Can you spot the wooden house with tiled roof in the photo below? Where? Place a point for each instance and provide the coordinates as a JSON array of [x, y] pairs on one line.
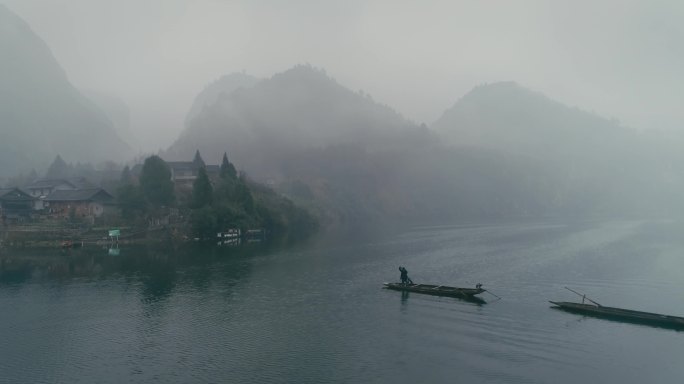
[[89, 202], [15, 204]]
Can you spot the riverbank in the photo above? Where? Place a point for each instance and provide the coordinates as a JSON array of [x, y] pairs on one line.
[[72, 237], [67, 238]]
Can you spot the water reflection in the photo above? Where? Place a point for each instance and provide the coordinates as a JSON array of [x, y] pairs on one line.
[[114, 250], [317, 313], [157, 270]]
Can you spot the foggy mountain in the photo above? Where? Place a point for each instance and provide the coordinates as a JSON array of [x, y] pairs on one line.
[[299, 108], [117, 113], [41, 113], [500, 151], [219, 88], [510, 118], [352, 159], [302, 127], [594, 162]]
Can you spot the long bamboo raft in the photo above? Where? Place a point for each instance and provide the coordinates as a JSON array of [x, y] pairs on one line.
[[619, 314], [439, 290]]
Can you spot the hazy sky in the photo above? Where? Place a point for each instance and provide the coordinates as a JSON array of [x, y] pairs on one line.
[[622, 59]]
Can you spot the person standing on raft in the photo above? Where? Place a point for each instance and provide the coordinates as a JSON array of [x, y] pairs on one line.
[[404, 276]]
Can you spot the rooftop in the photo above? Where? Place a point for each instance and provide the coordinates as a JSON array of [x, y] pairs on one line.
[[91, 194]]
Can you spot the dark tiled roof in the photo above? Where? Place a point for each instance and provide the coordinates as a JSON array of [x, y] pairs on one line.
[[48, 183], [92, 194], [14, 194], [74, 182], [81, 183]]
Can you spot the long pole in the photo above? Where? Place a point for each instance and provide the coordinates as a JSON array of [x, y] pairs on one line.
[[583, 296]]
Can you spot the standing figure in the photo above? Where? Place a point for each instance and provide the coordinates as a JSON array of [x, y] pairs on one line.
[[404, 276]]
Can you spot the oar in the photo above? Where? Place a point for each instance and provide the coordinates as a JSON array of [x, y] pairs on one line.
[[583, 296], [487, 290]]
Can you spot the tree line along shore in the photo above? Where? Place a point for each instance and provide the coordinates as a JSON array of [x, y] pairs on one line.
[[156, 201]]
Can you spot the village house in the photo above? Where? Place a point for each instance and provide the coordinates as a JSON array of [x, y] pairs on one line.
[[78, 203], [184, 173], [15, 204], [42, 188]]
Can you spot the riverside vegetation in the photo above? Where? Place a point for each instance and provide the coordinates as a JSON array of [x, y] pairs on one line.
[[149, 204], [211, 205]]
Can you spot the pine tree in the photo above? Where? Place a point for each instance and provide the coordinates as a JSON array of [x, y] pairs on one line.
[[155, 181], [126, 176], [202, 191], [58, 169], [198, 161], [244, 196], [228, 170], [131, 200]]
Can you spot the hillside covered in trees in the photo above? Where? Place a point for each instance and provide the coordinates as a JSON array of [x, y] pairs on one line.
[[500, 151], [210, 203]]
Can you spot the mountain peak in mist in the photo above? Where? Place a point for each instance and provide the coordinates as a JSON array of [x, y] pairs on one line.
[[219, 88], [24, 53], [509, 96], [507, 116], [299, 108], [304, 75], [41, 112]]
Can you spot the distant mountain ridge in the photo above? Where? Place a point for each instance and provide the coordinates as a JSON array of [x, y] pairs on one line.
[[508, 117], [219, 88], [591, 162], [501, 151], [309, 136], [299, 108], [41, 113]]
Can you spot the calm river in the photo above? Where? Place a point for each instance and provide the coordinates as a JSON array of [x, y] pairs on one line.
[[316, 313]]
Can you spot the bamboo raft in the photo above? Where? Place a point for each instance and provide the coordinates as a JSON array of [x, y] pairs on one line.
[[619, 314], [439, 290]]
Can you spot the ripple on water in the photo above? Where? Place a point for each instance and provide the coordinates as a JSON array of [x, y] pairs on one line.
[[320, 315]]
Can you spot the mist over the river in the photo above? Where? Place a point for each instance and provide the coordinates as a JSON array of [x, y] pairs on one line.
[[498, 115]]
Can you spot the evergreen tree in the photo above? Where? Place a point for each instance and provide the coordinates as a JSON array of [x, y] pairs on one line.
[[155, 181], [228, 170], [58, 169], [202, 191], [199, 163], [131, 200], [126, 176], [243, 196], [204, 222]]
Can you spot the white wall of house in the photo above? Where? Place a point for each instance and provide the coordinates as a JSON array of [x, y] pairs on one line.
[[38, 204], [96, 209]]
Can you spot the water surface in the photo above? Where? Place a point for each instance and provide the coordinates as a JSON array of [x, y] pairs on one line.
[[315, 312]]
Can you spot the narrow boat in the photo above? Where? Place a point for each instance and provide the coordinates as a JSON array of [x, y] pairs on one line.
[[619, 314], [439, 290]]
